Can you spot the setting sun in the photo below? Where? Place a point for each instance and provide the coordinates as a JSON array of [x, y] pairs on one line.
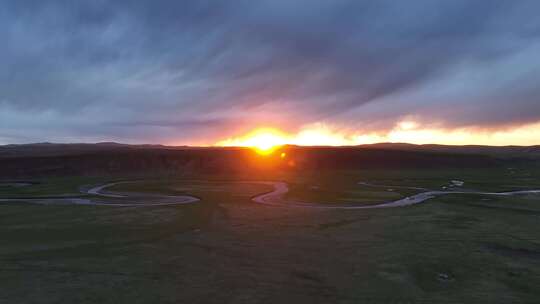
[[264, 140], [265, 143]]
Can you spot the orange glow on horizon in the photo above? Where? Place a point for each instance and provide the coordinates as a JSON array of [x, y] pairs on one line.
[[267, 140], [263, 140]]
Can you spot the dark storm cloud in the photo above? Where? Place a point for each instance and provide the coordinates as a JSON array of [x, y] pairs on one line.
[[163, 70]]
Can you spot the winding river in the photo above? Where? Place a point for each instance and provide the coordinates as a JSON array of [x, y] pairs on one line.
[[276, 197]]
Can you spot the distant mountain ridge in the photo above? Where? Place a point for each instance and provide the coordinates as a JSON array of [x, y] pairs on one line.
[[58, 149], [55, 149], [508, 151]]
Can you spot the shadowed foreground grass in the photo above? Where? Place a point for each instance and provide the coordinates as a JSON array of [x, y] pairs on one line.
[[226, 249]]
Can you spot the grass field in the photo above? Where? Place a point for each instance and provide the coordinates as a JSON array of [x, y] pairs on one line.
[[55, 186], [227, 249]]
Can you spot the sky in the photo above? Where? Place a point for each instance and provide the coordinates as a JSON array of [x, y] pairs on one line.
[[313, 71]]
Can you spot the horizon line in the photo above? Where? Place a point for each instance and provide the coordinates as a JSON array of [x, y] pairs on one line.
[[240, 146]]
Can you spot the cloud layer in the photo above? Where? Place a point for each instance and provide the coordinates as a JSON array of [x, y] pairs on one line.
[[197, 71]]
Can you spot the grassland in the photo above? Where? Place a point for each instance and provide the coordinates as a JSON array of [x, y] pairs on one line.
[[226, 249], [51, 186]]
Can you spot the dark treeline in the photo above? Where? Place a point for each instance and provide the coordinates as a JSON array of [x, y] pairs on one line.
[[152, 160]]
